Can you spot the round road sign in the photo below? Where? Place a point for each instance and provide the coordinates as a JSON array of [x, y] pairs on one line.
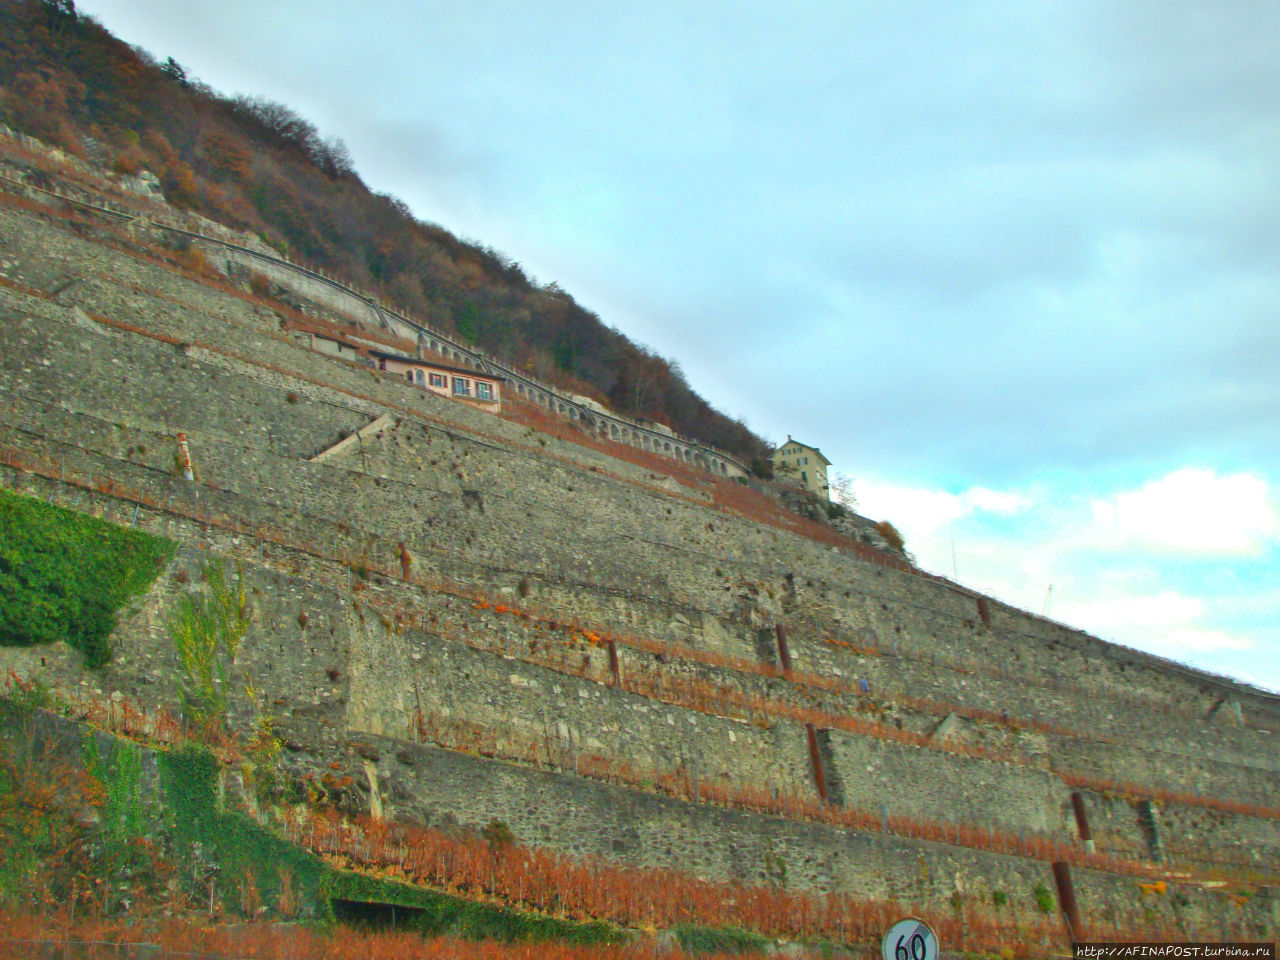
[[910, 939]]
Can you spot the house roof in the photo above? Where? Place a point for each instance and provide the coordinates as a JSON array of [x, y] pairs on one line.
[[419, 362], [813, 450]]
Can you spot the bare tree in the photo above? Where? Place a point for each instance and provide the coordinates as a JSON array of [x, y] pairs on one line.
[[841, 489]]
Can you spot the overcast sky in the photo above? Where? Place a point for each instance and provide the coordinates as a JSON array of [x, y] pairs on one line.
[[1014, 267]]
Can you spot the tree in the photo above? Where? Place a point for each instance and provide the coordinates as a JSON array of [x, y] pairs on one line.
[[59, 14], [172, 69], [841, 488], [333, 158]]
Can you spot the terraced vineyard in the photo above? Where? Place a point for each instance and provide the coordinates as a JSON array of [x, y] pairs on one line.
[[530, 668]]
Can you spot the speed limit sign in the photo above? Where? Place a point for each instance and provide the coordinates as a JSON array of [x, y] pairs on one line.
[[910, 939]]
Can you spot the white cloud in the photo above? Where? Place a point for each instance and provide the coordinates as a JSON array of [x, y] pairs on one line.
[[913, 510], [1122, 564], [1190, 511], [1165, 609], [1167, 623], [924, 513], [1002, 502]]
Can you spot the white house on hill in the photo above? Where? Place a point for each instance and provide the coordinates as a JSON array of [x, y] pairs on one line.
[[803, 465]]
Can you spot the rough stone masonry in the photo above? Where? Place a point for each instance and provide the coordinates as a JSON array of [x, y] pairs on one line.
[[583, 647]]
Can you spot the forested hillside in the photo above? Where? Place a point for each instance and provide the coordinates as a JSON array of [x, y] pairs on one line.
[[256, 165]]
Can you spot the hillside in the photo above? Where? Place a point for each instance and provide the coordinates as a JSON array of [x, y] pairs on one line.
[[652, 696], [258, 167]]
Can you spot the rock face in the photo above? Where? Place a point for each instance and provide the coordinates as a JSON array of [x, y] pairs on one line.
[[580, 651], [845, 522]]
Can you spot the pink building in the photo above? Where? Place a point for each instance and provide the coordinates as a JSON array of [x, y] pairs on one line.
[[483, 389]]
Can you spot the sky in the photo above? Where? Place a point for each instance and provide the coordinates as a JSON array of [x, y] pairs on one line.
[[1013, 267]]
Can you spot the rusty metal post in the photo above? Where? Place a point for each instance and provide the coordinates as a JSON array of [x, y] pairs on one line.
[[1067, 900], [984, 611], [815, 761], [614, 670], [406, 560], [1082, 822], [784, 651]]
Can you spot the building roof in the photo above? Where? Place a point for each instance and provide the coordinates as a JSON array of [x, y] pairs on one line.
[[418, 361], [814, 450]]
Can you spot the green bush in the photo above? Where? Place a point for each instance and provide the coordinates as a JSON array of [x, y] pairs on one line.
[[433, 914], [225, 849], [64, 575], [698, 939]]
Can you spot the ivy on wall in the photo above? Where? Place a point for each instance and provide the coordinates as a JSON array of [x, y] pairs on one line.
[[239, 861], [65, 576], [207, 629]]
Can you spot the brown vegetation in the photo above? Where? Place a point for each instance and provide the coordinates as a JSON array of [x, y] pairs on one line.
[[256, 165]]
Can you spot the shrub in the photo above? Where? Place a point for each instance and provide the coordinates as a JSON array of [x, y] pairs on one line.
[[718, 940], [498, 835], [890, 533], [128, 162], [207, 629], [65, 576], [259, 284]]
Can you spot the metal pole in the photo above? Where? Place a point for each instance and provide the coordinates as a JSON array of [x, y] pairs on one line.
[[613, 663], [784, 650], [815, 760], [1067, 900], [1082, 822]]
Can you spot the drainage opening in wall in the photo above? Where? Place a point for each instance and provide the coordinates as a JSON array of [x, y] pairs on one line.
[[378, 916]]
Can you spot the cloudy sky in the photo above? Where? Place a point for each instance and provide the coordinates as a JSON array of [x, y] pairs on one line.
[[1014, 267]]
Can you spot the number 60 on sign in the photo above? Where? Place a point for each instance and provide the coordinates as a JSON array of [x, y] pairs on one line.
[[910, 939]]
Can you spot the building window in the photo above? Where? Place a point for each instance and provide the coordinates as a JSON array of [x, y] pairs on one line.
[[484, 391], [418, 376], [382, 363], [437, 380], [804, 476], [461, 387], [408, 375]]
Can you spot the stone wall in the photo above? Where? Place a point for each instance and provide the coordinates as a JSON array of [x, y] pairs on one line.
[[577, 544]]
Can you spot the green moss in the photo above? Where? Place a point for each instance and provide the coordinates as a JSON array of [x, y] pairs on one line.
[[226, 849], [437, 914], [65, 576], [696, 939]]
